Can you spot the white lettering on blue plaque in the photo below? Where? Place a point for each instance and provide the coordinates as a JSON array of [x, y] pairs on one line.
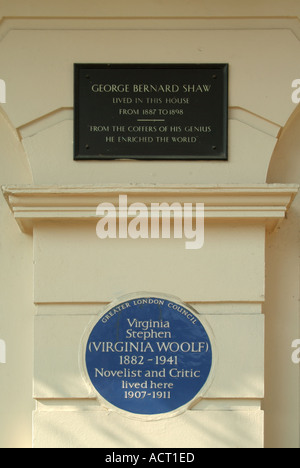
[[149, 356]]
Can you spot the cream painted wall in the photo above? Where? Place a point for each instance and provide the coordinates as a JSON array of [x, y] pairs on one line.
[[282, 400], [36, 58], [152, 8], [16, 306]]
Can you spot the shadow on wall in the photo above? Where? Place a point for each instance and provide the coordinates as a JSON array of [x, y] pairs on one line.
[[282, 397], [195, 429], [15, 301]]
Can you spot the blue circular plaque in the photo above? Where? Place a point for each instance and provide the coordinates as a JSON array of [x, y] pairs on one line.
[[149, 356]]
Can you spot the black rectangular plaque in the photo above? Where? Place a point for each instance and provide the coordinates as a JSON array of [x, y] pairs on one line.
[[151, 112]]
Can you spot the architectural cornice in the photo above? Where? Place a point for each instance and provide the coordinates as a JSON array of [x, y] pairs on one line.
[[266, 204]]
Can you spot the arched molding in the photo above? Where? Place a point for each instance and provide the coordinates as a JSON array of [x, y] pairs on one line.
[[15, 167]]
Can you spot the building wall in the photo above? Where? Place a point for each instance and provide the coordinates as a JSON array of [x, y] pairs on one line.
[[39, 42], [282, 302], [16, 291]]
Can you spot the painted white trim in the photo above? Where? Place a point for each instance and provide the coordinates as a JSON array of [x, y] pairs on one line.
[[267, 204]]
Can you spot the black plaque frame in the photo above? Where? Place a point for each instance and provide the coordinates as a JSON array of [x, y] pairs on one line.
[[151, 111]]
